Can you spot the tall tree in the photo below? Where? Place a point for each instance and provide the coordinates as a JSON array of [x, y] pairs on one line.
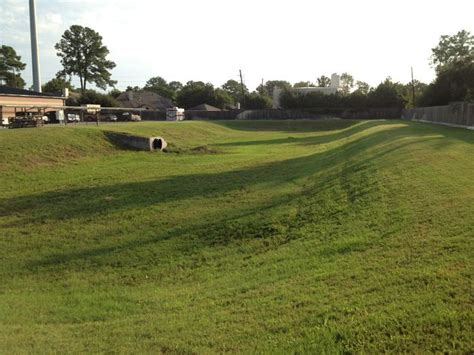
[[159, 85], [175, 85], [114, 93], [454, 60], [362, 87], [56, 85], [323, 81], [234, 89], [454, 82], [267, 89], [83, 54], [197, 92], [388, 94], [256, 101], [451, 49], [347, 83], [416, 87], [11, 66]]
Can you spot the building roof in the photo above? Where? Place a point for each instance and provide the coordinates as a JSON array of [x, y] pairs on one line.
[[144, 99], [204, 107], [8, 90]]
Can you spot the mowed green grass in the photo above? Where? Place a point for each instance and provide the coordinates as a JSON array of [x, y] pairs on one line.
[[278, 236]]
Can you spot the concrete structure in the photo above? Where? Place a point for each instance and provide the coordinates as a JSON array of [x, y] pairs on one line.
[[34, 48], [331, 89], [13, 100], [136, 142]]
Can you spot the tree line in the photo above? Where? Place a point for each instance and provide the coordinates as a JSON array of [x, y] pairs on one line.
[[83, 55]]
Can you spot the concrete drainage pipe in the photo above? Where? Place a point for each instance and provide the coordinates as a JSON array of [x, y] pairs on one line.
[[159, 143]]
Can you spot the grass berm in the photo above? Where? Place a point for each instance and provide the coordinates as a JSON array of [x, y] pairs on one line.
[[256, 236]]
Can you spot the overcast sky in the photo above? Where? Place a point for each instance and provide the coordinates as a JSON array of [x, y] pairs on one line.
[[210, 40]]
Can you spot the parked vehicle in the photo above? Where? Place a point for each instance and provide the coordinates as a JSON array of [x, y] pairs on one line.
[[109, 118], [29, 120], [175, 114], [127, 116], [73, 117]]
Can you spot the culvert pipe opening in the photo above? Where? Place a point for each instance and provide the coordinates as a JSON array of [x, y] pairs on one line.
[[159, 143]]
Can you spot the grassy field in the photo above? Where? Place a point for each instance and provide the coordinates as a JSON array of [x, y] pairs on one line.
[[263, 236]]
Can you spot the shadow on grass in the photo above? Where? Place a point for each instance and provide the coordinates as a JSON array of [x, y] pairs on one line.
[[88, 201], [325, 170]]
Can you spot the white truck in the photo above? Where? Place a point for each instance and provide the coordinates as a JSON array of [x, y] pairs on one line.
[[175, 114]]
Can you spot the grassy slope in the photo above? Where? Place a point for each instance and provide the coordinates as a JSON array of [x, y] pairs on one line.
[[310, 236]]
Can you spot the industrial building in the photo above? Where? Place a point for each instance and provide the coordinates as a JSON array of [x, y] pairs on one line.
[[330, 90]]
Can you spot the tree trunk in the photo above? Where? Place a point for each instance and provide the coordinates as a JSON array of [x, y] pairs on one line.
[[82, 85], [85, 82]]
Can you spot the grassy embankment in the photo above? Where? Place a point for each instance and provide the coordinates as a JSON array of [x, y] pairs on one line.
[[291, 236]]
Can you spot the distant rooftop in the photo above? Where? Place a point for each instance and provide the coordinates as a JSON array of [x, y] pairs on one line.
[[8, 90], [204, 107], [144, 99]]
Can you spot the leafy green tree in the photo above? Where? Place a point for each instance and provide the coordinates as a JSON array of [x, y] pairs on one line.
[[222, 99], [159, 86], [56, 85], [234, 89], [419, 87], [83, 54], [347, 83], [387, 94], [452, 49], [114, 93], [358, 99], [302, 84], [362, 87], [454, 82], [133, 88], [323, 81], [197, 92], [93, 97], [256, 101], [454, 61], [175, 86], [267, 88], [11, 66], [319, 100]]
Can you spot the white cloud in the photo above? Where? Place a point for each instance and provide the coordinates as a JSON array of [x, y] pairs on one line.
[[50, 22]]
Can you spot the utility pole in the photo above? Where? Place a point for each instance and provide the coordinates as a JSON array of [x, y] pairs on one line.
[[413, 88], [242, 88], [34, 48]]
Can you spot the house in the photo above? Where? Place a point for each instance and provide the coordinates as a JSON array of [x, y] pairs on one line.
[[331, 89], [204, 107], [14, 101], [144, 99]]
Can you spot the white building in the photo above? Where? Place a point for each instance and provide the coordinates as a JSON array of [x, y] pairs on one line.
[[331, 89]]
